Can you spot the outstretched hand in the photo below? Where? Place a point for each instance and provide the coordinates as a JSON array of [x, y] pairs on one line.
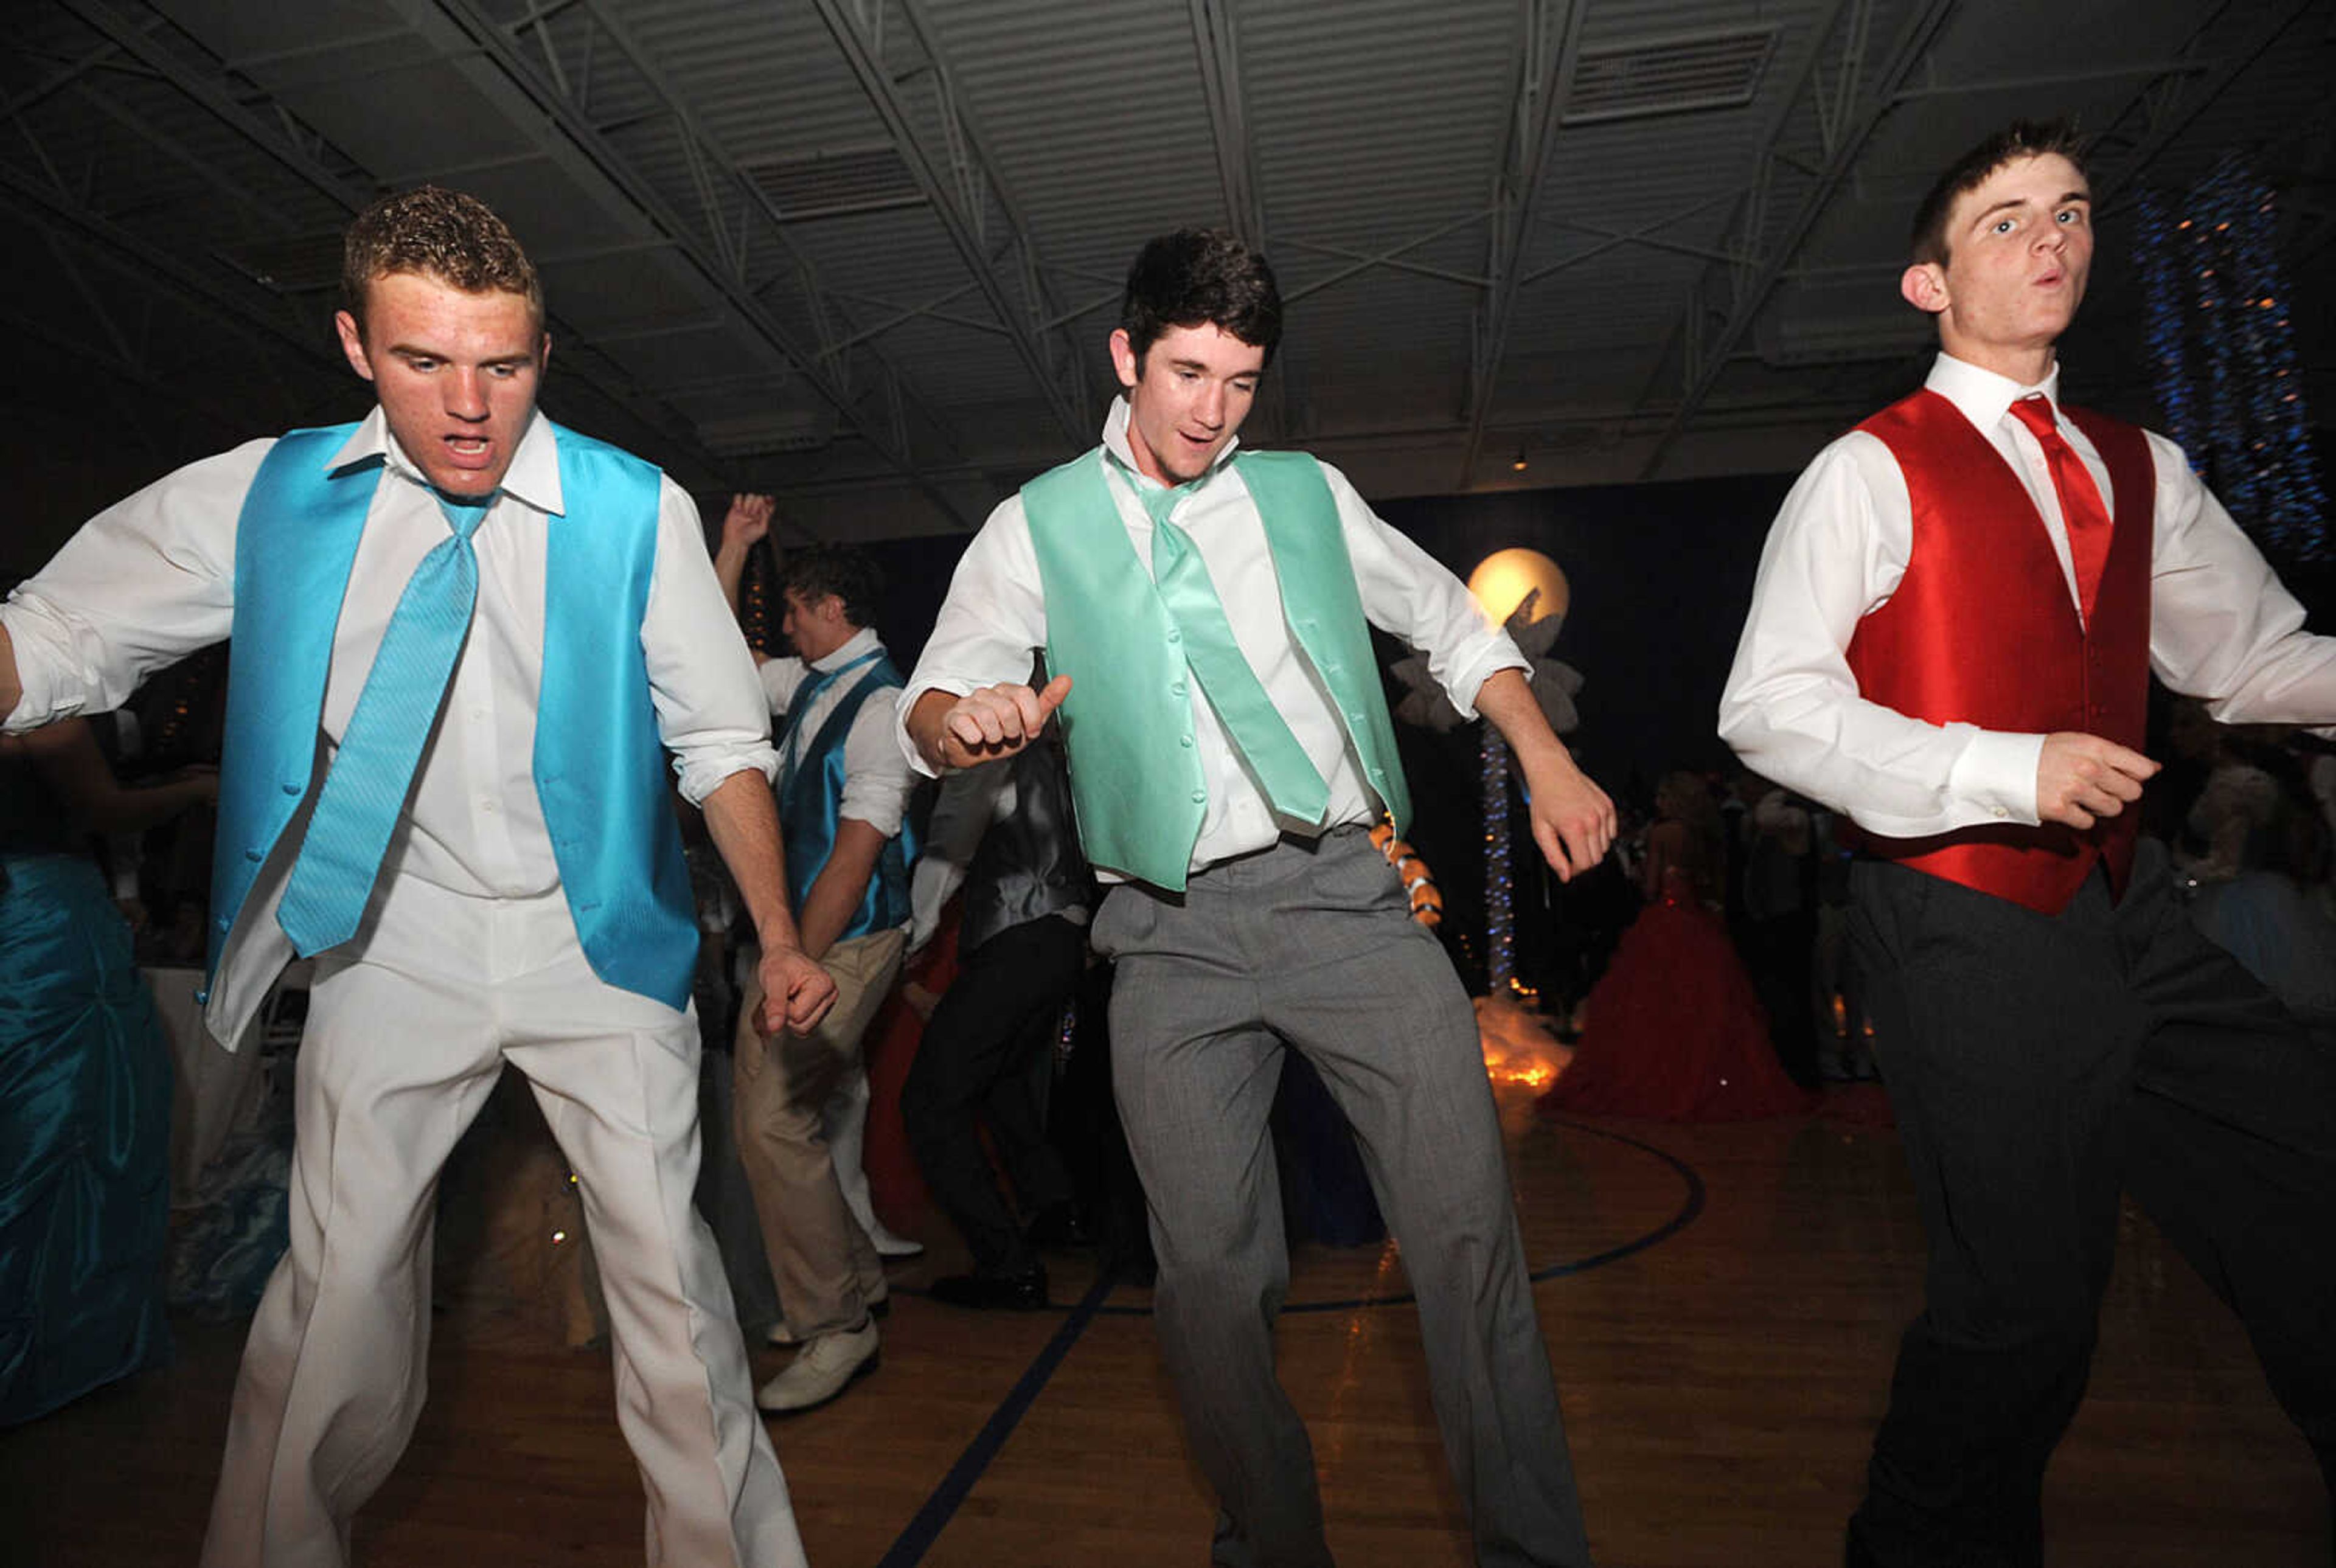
[[2081, 778], [998, 721], [1572, 821]]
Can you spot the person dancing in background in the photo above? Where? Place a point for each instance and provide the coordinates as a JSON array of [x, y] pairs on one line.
[[1206, 614], [1950, 639], [85, 1129], [1673, 1027], [481, 633]]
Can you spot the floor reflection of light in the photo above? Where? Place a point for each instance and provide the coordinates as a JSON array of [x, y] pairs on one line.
[[1358, 1336]]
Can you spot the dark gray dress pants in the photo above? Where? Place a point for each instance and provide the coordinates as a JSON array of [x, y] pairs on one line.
[[1312, 946]]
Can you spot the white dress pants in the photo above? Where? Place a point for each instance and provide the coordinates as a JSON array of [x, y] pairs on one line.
[[408, 1025]]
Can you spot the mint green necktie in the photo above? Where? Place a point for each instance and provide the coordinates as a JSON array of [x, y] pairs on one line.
[[371, 773], [1282, 765]]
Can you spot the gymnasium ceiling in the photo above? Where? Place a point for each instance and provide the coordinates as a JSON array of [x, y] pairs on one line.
[[865, 253]]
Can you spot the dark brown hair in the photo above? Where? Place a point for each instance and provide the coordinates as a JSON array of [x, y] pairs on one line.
[[1200, 276], [2020, 138], [436, 233]]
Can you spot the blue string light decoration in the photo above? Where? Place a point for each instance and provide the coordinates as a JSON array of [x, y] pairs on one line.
[[2251, 437], [1500, 929], [2161, 291]]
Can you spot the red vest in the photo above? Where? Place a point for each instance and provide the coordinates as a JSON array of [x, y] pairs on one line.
[[1983, 630]]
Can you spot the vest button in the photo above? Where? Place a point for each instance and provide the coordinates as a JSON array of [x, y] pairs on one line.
[[255, 855], [291, 787], [202, 998], [1186, 741], [1177, 689], [223, 922], [1199, 798], [1176, 636]]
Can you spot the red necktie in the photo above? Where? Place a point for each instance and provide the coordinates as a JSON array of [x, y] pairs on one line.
[[2081, 511]]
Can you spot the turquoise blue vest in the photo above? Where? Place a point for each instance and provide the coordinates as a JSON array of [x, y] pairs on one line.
[[1127, 724], [599, 765], [811, 799]]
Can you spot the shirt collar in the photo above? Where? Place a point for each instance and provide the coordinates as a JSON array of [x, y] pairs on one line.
[[1984, 397], [859, 642], [533, 479], [1115, 443]]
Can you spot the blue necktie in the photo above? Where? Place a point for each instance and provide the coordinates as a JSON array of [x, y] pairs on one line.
[[371, 773], [1287, 773]]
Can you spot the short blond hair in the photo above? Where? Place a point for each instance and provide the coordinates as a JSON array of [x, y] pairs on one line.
[[436, 233]]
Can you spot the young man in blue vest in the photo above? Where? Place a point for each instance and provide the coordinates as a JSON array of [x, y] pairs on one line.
[[843, 792], [1950, 640], [1208, 617], [464, 640]]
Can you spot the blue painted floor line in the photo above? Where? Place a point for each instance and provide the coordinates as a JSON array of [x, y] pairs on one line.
[[931, 1519], [926, 1528]]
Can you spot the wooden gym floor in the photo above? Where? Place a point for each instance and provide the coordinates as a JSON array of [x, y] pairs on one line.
[[1721, 1304]]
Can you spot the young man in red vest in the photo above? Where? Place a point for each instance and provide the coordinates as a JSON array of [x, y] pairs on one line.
[[1950, 640]]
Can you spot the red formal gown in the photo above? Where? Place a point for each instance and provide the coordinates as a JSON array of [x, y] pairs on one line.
[[1673, 1030]]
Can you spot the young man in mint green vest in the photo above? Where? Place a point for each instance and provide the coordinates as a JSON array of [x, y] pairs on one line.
[[444, 781], [1208, 616]]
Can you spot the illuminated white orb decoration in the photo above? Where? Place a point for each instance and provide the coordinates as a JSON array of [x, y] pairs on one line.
[[1502, 579]]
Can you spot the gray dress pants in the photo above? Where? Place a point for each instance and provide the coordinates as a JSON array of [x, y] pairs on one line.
[[1312, 946]]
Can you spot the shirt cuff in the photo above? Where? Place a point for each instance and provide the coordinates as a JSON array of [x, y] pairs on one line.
[[1469, 678], [698, 774], [37, 706], [907, 700], [1995, 776]]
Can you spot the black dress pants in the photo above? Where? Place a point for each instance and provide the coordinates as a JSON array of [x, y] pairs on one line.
[[2039, 1066], [973, 1066]]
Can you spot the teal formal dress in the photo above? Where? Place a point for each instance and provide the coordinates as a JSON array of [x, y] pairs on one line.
[[84, 1121]]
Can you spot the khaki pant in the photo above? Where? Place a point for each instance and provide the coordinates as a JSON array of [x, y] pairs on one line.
[[826, 1269]]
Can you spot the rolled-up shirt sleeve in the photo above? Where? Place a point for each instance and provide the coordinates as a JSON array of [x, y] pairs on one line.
[[1791, 708], [710, 709], [145, 582], [2222, 628], [991, 623], [876, 776], [1410, 593]]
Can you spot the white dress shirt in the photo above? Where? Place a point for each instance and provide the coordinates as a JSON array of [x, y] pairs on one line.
[[876, 777], [996, 616], [2221, 626], [152, 578]]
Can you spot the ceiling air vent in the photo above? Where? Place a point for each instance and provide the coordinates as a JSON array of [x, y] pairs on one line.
[[838, 182], [300, 264], [1628, 79]]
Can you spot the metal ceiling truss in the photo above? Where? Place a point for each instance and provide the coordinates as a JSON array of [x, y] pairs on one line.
[[1844, 92], [893, 54], [1216, 39], [2173, 98], [725, 253], [1545, 70], [305, 154]]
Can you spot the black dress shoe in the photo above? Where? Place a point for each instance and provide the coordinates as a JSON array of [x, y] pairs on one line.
[[1015, 1292], [1060, 1226]]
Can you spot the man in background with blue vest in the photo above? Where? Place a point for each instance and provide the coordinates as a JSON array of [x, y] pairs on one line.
[[843, 790], [1950, 640], [464, 640], [1208, 618]]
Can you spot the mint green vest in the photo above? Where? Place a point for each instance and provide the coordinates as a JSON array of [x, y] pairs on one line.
[[1127, 724]]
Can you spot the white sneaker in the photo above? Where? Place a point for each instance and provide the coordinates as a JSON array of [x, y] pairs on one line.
[[825, 1368], [890, 1244], [779, 1335]]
